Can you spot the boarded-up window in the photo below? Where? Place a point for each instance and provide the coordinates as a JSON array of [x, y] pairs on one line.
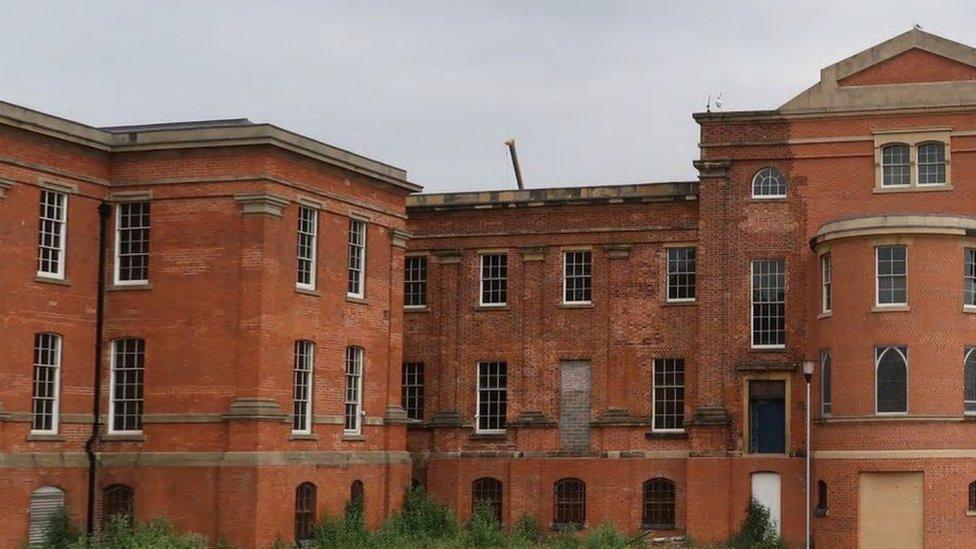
[[45, 502], [574, 406]]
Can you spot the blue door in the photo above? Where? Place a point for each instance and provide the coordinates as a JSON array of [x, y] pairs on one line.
[[767, 417]]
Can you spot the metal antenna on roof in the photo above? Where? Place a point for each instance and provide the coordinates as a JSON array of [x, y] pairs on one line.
[[515, 162]]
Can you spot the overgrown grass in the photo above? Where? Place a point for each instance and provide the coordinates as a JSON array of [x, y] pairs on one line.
[[423, 523], [120, 533]]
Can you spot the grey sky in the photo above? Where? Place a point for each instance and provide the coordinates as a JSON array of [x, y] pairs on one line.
[[595, 92]]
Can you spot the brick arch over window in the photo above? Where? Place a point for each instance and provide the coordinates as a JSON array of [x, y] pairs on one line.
[[305, 505], [659, 504], [569, 506], [487, 490], [117, 499]]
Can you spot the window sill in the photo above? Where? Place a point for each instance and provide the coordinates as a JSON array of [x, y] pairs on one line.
[[499, 307], [913, 188], [823, 315], [307, 291], [353, 438], [890, 309], [587, 305], [489, 436], [971, 513], [666, 435], [768, 349], [820, 512], [356, 299], [416, 309], [679, 302], [303, 436], [567, 527], [129, 287], [135, 437], [44, 437], [773, 199], [52, 280], [969, 309], [645, 526]]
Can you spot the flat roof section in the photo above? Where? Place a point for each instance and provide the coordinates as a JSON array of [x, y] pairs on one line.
[[669, 191]]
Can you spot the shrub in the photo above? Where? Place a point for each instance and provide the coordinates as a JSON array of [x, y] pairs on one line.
[[483, 530], [605, 536], [120, 533], [757, 530], [526, 531], [61, 532]]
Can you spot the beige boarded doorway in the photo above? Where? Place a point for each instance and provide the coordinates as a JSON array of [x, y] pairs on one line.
[[890, 511]]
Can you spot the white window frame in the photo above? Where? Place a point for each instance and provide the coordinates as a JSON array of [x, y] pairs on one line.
[[56, 400], [911, 168], [877, 363], [965, 277], [752, 303], [117, 271], [565, 260], [477, 398], [918, 163], [313, 247], [826, 284], [654, 387], [63, 240], [481, 279], [357, 358], [426, 261], [667, 275], [827, 399], [965, 357], [111, 395], [877, 278], [752, 184], [304, 351], [361, 274]]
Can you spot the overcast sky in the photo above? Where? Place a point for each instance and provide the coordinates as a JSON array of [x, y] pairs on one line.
[[595, 92]]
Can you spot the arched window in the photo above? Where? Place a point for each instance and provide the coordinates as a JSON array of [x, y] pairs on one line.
[[892, 380], [659, 504], [569, 508], [305, 495], [117, 499], [357, 493], [768, 183], [821, 509], [487, 490], [45, 502], [931, 164], [972, 496], [895, 165], [969, 381]]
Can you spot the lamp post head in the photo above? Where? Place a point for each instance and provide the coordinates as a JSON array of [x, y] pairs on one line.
[[808, 366]]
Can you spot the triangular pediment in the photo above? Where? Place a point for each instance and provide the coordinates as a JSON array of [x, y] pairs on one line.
[[913, 69]]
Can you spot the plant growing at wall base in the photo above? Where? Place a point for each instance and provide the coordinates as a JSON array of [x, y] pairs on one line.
[[757, 530]]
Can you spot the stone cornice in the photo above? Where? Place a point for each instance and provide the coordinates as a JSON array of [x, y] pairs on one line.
[[894, 224], [261, 204]]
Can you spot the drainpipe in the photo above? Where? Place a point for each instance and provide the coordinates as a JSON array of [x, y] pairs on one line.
[[104, 209]]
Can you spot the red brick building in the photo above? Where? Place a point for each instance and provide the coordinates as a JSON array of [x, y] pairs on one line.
[[277, 328]]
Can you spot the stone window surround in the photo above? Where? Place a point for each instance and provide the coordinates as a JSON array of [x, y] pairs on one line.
[[913, 138]]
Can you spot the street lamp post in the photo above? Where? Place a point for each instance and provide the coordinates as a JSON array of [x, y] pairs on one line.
[[808, 366]]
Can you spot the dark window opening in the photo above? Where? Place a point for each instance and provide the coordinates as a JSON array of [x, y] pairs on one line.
[[767, 417], [305, 495], [972, 496], [659, 496], [821, 509], [412, 396], [487, 490], [570, 503], [117, 500], [892, 380]]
